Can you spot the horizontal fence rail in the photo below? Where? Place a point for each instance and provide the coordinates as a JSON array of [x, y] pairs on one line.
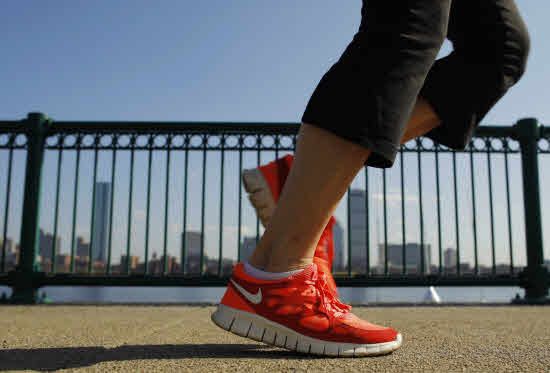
[[163, 204]]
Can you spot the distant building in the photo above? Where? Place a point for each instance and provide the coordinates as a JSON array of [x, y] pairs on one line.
[[62, 263], [339, 263], [466, 267], [449, 261], [11, 253], [159, 265], [134, 263], [82, 247], [191, 245], [413, 255], [45, 245], [247, 247], [212, 266], [101, 217], [45, 248], [358, 230]]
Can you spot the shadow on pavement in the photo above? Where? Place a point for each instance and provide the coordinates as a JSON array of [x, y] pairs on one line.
[[47, 359]]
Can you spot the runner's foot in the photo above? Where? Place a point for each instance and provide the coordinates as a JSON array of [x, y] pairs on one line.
[[299, 313]]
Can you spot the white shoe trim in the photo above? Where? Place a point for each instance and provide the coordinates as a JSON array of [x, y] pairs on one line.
[[258, 328]]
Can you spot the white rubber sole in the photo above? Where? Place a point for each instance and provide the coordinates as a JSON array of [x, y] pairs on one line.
[[260, 329], [259, 194]]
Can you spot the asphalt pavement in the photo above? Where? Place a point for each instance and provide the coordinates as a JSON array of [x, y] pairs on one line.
[[182, 338]]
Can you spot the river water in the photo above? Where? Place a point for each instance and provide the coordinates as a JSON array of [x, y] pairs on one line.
[[358, 296]]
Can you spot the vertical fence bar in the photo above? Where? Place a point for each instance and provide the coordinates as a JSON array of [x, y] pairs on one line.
[[474, 212], [491, 209], [239, 217], [25, 285], [508, 207], [222, 166], [148, 203], [184, 234], [367, 226], [348, 201], [203, 198], [384, 191], [130, 201], [535, 276], [403, 220], [258, 162], [166, 205], [75, 201], [276, 139], [53, 254], [111, 204], [92, 225], [7, 202], [438, 200], [420, 207], [457, 231]]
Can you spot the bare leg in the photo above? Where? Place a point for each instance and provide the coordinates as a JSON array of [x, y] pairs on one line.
[[323, 168], [423, 120]]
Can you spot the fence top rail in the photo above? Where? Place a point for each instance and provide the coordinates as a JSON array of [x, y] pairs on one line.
[[283, 128], [181, 127], [11, 126]]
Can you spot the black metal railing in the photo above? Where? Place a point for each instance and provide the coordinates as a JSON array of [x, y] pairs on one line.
[[162, 204]]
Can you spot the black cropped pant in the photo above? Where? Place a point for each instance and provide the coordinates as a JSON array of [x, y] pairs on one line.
[[368, 95]]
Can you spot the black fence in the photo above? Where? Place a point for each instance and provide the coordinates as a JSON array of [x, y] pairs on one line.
[[162, 204]]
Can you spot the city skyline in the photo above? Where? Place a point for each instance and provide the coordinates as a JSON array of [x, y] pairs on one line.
[[155, 264], [357, 233]]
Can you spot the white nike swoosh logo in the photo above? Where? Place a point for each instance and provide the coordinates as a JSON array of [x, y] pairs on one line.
[[253, 298]]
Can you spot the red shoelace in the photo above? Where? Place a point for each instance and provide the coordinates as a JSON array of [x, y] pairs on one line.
[[329, 304]]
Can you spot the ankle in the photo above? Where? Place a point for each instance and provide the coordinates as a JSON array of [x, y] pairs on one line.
[[257, 261], [291, 264], [259, 258]]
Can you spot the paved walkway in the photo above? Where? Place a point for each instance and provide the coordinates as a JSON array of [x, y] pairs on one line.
[[182, 338]]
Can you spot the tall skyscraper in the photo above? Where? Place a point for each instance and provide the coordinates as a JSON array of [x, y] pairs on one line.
[[413, 255], [339, 249], [101, 217], [45, 245], [450, 259], [192, 257], [358, 230]]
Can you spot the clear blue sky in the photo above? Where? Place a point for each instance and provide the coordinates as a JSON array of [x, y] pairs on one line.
[[198, 60], [217, 60]]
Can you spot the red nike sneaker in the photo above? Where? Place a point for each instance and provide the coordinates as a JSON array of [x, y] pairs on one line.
[[264, 185], [299, 313]]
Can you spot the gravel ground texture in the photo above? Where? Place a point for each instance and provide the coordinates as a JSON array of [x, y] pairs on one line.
[[182, 338]]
